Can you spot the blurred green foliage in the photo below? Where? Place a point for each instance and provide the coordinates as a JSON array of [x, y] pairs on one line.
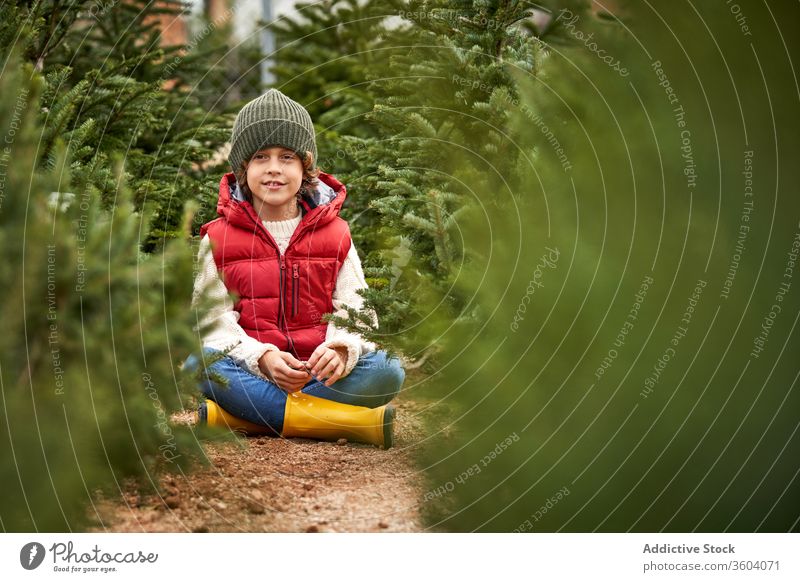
[[94, 332], [636, 367]]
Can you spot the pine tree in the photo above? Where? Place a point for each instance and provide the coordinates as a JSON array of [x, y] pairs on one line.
[[114, 89], [324, 52], [397, 104], [444, 89], [440, 84], [324, 55], [94, 332]]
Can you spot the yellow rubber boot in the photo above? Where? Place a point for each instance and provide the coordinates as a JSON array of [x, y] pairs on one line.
[[215, 415], [319, 418]]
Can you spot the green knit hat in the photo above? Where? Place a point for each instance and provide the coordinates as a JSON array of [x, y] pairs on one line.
[[271, 120]]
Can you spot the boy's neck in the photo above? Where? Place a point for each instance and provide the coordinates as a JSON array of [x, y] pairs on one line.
[[271, 214]]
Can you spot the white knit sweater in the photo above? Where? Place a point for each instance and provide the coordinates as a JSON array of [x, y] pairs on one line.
[[225, 331]]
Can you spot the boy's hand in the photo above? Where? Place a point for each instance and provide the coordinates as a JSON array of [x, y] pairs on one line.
[[327, 363], [283, 369]]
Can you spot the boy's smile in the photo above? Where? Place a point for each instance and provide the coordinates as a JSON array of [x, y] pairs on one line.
[[274, 176], [274, 185]]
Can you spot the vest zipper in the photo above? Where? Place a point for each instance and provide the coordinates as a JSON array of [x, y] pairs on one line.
[[265, 233], [295, 289], [283, 309]]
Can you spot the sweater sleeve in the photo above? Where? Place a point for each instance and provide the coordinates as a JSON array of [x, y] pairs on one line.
[[349, 281], [223, 329]]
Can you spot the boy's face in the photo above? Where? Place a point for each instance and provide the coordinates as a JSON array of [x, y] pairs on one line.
[[274, 176]]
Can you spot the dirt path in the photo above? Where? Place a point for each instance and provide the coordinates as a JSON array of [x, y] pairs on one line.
[[286, 485]]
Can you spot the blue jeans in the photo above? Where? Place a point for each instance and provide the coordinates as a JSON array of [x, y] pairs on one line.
[[373, 382]]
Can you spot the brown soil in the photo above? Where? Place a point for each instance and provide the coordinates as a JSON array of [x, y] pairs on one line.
[[269, 484]]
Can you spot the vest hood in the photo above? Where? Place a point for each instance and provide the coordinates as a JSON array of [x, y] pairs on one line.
[[318, 207]]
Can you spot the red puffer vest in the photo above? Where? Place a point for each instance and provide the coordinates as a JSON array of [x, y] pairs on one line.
[[281, 298]]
